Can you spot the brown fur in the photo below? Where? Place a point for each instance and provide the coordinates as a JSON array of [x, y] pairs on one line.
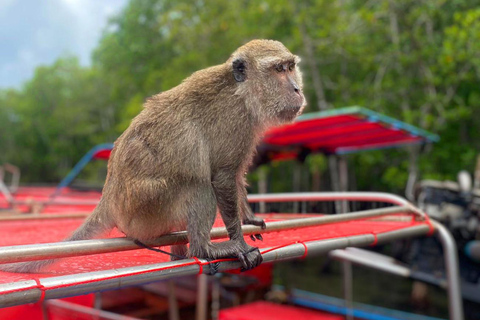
[[188, 150]]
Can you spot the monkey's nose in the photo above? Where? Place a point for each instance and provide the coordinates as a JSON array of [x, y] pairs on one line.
[[294, 85], [296, 88], [297, 91]]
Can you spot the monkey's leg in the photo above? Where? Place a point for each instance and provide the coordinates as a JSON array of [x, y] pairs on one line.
[[227, 193], [202, 209], [248, 217], [179, 251]]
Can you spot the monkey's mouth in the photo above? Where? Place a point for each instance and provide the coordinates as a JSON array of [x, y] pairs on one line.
[[290, 113]]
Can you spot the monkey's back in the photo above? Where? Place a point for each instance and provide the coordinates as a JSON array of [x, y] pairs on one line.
[[176, 144]]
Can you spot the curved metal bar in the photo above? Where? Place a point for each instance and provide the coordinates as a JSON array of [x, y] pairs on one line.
[[384, 263], [455, 306], [329, 196], [286, 197], [336, 196], [79, 166], [3, 187], [6, 193], [15, 172]]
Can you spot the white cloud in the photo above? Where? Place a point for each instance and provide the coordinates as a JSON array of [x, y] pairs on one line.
[[4, 4], [36, 32]]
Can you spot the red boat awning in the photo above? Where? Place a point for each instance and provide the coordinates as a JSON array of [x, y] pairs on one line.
[[341, 131]]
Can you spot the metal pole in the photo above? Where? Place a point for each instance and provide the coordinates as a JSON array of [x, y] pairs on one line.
[[371, 260], [202, 294], [297, 177], [6, 193], [343, 180], [57, 202], [97, 302], [262, 186], [384, 263], [86, 311], [455, 306], [348, 288], [15, 172], [476, 175], [330, 196], [412, 172], [36, 216], [173, 313], [215, 297], [335, 179], [19, 253]]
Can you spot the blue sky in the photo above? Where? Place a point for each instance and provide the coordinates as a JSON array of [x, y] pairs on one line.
[[37, 32]]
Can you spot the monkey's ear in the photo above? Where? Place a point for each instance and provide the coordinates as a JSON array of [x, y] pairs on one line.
[[239, 70]]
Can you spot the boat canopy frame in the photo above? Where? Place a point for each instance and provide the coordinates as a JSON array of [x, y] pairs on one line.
[[39, 289]]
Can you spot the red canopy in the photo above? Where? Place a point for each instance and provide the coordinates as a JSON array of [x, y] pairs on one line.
[[340, 131]]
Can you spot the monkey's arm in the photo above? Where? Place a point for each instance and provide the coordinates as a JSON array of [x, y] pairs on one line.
[[248, 217], [246, 213], [230, 201]]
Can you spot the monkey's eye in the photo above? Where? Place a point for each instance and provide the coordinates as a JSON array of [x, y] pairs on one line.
[[291, 66], [279, 68]]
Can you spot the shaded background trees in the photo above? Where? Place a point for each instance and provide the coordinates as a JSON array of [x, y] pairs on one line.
[[414, 60]]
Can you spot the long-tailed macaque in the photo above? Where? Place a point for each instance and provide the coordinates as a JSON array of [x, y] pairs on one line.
[[187, 152]]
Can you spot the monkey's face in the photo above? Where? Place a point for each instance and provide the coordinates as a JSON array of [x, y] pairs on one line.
[[271, 80], [285, 84]]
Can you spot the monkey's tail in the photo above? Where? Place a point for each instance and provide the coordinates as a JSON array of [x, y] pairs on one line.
[[97, 223]]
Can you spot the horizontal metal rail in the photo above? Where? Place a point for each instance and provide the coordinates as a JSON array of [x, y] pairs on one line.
[[56, 202], [385, 263], [10, 254], [78, 311], [337, 196], [372, 260], [29, 291], [45, 216], [273, 197], [330, 196]]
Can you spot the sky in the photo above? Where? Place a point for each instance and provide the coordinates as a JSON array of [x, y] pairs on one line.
[[37, 32]]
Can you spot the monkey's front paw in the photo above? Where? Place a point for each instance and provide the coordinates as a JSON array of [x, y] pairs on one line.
[[250, 259], [256, 222], [254, 237]]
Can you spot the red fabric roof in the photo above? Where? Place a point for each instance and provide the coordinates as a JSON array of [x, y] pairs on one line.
[[337, 134], [340, 131]]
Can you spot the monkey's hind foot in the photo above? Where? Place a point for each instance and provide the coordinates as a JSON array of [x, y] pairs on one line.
[[250, 259], [214, 266], [248, 256]]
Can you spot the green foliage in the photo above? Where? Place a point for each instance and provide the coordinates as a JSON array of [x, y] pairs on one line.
[[316, 163], [53, 120], [414, 60]]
